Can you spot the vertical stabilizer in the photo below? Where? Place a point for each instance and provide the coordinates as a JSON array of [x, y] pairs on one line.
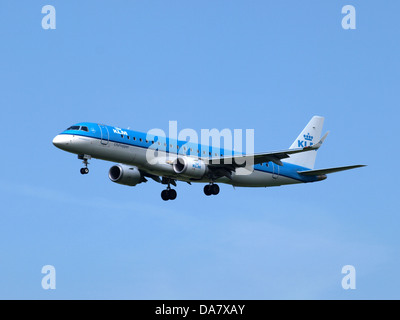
[[310, 135]]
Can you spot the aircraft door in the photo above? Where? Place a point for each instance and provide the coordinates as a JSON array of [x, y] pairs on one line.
[[275, 170], [105, 135]]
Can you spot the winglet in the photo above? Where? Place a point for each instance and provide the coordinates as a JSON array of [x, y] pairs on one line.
[[320, 142], [322, 139]]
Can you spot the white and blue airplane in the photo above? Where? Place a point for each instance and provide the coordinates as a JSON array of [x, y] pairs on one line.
[[189, 162]]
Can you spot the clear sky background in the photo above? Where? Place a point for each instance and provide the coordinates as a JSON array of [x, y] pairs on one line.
[[263, 65]]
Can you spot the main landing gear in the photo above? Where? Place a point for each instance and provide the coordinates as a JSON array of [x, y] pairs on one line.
[[211, 189], [85, 159], [168, 194]]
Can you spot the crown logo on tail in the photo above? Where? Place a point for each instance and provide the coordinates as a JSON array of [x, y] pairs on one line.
[[308, 137]]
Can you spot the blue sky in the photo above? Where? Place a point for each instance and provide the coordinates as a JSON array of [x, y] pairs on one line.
[[264, 65]]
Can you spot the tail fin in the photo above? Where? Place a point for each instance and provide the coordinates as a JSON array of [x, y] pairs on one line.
[[309, 136]]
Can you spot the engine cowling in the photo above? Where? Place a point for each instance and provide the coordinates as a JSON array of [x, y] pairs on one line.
[[190, 167], [126, 175]]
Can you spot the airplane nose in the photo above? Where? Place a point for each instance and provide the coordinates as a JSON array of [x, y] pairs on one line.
[[61, 141]]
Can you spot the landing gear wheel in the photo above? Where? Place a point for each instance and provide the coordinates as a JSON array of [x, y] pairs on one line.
[[210, 189], [84, 170], [168, 194], [165, 195], [214, 188], [207, 190], [172, 194]]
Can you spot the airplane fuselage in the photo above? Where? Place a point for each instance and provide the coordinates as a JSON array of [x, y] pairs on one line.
[[131, 148]]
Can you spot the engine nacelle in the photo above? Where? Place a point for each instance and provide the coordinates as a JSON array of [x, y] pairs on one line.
[[126, 175], [190, 167]]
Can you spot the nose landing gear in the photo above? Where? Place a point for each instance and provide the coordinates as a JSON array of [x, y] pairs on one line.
[[84, 170], [85, 162]]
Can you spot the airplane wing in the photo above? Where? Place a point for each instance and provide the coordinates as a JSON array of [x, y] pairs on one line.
[[238, 161], [318, 172]]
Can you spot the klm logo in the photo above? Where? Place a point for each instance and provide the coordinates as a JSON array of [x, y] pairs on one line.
[[196, 165], [120, 131], [308, 137], [306, 142]]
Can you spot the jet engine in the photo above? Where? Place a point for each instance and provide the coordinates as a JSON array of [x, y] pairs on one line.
[[126, 175], [190, 167]]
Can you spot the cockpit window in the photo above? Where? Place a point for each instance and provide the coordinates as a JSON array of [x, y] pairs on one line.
[[82, 128], [73, 128]]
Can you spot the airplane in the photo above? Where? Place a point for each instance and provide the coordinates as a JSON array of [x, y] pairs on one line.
[[184, 161]]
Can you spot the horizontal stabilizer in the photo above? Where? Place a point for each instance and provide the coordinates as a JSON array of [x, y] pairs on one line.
[[328, 170]]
